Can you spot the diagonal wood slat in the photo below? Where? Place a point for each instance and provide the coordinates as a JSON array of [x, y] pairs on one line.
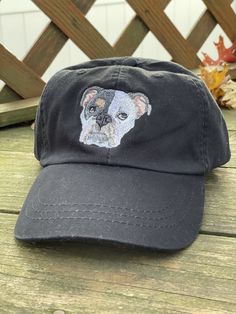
[[224, 15], [154, 17], [45, 49], [68, 21], [202, 29], [137, 30], [133, 34], [73, 23], [18, 75], [50, 42], [51, 37]]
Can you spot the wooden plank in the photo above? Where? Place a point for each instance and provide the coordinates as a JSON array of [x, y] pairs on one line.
[[224, 15], [202, 29], [157, 21], [232, 141], [8, 94], [19, 168], [131, 37], [73, 23], [87, 278], [230, 118], [18, 111], [133, 34], [45, 49], [16, 179], [18, 76], [51, 42], [232, 70], [220, 202], [17, 139]]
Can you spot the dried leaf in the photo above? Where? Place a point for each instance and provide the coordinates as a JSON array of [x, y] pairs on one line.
[[229, 98], [220, 85], [224, 54], [214, 76]]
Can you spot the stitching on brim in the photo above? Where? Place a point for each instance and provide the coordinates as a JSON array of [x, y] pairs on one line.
[[114, 221], [146, 226], [110, 206], [106, 205], [103, 212]]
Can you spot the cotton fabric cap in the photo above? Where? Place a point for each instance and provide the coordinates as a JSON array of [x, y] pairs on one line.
[[125, 144]]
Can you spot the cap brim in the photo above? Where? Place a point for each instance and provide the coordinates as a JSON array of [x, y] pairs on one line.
[[118, 204]]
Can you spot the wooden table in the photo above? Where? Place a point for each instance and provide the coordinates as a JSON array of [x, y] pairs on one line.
[[88, 278]]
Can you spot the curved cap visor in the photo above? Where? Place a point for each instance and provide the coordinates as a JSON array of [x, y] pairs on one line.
[[118, 204]]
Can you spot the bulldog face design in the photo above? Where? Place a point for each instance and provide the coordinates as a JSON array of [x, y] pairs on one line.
[[109, 114]]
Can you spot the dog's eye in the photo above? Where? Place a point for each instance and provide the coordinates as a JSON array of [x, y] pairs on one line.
[[122, 115], [92, 109]]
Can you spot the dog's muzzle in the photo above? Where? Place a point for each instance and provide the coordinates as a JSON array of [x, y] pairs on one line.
[[103, 119]]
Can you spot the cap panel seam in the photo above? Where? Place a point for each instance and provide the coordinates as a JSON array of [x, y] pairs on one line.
[[44, 135], [203, 143], [42, 119], [37, 150], [199, 174], [115, 75], [205, 125]]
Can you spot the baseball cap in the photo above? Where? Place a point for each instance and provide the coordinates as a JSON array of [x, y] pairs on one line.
[[125, 145]]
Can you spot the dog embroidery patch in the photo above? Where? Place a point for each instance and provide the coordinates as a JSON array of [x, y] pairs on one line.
[[109, 114]]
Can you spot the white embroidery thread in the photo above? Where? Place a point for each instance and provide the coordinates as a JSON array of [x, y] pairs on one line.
[[109, 114]]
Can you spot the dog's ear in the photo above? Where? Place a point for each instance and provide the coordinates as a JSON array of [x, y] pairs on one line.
[[88, 94], [142, 104]]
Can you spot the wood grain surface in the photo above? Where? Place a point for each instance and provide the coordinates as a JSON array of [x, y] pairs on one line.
[[72, 22], [18, 75], [18, 111], [156, 20], [93, 278], [45, 49], [90, 278], [224, 15]]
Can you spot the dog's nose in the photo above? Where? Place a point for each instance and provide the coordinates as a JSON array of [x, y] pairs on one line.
[[103, 119]]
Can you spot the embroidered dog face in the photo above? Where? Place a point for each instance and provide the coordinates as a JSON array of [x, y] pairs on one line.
[[109, 114]]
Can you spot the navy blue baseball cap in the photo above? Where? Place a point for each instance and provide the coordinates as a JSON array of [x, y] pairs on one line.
[[125, 145]]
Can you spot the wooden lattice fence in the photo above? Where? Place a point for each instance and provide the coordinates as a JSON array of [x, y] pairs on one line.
[[23, 78]]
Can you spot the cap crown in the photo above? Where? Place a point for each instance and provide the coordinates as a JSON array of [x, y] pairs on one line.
[[131, 112]]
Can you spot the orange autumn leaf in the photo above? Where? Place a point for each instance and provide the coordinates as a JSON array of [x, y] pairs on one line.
[[213, 76], [224, 54], [218, 81]]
